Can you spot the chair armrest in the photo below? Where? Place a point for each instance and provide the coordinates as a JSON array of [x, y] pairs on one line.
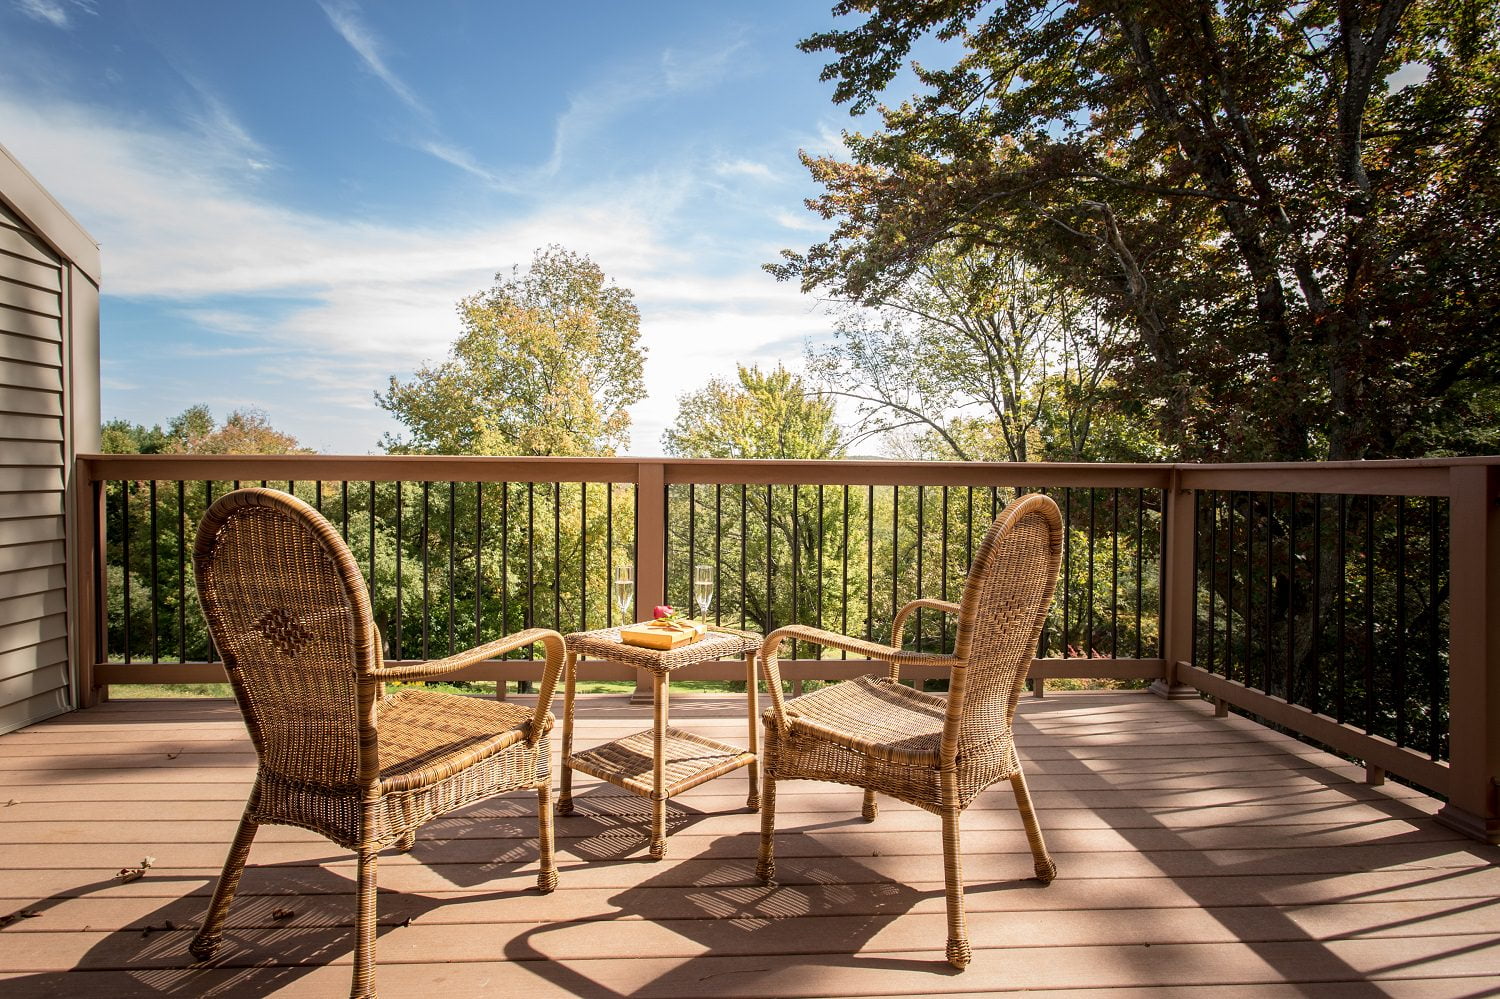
[[491, 650], [771, 648], [898, 623]]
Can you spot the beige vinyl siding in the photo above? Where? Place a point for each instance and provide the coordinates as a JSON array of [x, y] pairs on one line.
[[34, 668]]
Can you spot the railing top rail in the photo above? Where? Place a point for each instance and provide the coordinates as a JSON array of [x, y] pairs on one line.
[[1411, 477]]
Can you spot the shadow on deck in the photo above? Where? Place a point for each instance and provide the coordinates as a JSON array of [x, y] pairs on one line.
[[1193, 852]]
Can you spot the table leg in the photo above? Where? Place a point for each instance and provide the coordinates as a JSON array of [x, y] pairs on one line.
[[752, 699], [570, 683], [660, 694]]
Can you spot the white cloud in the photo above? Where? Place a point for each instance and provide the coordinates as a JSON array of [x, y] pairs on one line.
[[54, 12], [332, 307], [345, 17], [744, 168]]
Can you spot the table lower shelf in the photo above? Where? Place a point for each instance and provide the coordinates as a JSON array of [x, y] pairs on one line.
[[690, 760]]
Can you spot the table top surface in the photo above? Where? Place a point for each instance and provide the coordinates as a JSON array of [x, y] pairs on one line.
[[604, 643]]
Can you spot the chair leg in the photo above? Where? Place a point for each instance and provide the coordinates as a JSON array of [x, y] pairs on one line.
[[546, 879], [363, 986], [207, 940], [1046, 870], [953, 873], [870, 809], [765, 866]]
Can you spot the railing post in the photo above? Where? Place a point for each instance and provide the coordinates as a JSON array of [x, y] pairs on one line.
[[1474, 653], [85, 542], [650, 554], [1177, 597]]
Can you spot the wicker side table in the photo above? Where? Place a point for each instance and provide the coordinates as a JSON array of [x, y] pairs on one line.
[[661, 761]]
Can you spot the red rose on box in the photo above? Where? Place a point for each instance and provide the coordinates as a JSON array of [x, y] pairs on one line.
[[662, 610]]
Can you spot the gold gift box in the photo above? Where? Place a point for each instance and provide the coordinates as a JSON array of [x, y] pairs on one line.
[[663, 634]]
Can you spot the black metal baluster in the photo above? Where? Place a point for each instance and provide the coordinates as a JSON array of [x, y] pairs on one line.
[[1140, 547], [396, 646], [718, 553], [895, 551], [344, 510], [1265, 654], [819, 611], [844, 573], [318, 495], [1369, 725], [479, 562], [609, 554], [452, 538], [530, 621], [1434, 689], [1114, 569], [1197, 555], [557, 622], [425, 541], [1288, 690], [1399, 663], [770, 594], [870, 563], [556, 499], [1067, 564], [181, 572], [744, 555], [208, 501], [692, 552], [943, 572], [155, 595], [372, 538], [921, 534], [1088, 634], [1342, 554], [1229, 591], [1212, 657], [1315, 678], [505, 558], [583, 556]]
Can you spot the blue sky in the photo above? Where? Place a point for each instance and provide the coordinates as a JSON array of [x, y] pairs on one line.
[[291, 195]]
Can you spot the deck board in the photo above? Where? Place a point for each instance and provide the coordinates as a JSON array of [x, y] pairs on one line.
[[1194, 853]]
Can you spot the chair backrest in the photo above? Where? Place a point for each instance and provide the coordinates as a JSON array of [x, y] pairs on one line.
[[289, 612], [1005, 602]]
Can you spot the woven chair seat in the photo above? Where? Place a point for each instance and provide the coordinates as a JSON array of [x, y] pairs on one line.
[[423, 731], [871, 715]]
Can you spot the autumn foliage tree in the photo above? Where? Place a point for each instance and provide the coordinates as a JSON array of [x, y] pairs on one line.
[[547, 362], [1292, 209]]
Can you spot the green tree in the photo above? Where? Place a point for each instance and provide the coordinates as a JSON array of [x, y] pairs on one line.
[[766, 414], [980, 355], [1303, 254], [194, 431], [546, 363]]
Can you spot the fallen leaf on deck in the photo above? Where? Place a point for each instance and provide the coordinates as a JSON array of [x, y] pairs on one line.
[[16, 917], [128, 874], [283, 913]]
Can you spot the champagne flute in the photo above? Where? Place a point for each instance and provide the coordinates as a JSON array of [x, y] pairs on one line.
[[624, 590], [703, 589]]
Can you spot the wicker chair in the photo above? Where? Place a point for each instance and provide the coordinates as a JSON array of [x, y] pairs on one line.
[[936, 753], [288, 610]]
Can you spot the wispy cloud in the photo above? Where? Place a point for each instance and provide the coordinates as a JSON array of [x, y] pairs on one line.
[[605, 100], [338, 305], [345, 16], [744, 168], [55, 12]]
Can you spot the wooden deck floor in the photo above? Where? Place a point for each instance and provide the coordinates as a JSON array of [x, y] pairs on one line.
[[1195, 853]]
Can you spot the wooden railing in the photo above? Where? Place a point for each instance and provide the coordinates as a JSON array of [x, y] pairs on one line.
[[1354, 603]]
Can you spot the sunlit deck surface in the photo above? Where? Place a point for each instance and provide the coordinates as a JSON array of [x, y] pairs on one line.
[[1194, 853]]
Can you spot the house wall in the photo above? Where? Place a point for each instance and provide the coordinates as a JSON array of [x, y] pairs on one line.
[[49, 412]]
